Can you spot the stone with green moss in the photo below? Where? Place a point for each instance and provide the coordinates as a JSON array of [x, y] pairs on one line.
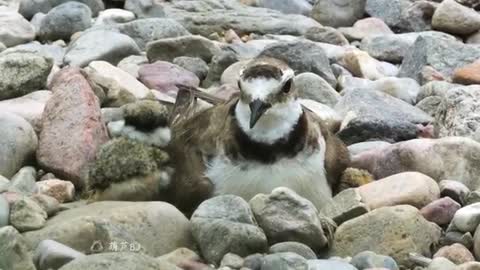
[[146, 114]]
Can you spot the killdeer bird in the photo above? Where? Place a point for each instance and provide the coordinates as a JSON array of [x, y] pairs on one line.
[[259, 140]]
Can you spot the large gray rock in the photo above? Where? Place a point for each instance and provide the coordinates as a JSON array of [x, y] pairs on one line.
[[338, 13], [287, 6], [162, 229], [284, 261], [193, 64], [64, 20], [393, 231], [302, 56], [457, 114], [218, 65], [22, 73], [394, 47], [390, 11], [294, 247], [205, 17], [117, 260], [28, 8], [24, 181], [14, 29], [52, 255], [194, 46], [100, 45], [15, 255], [18, 143], [442, 54], [225, 224], [371, 115], [329, 264], [285, 216], [147, 30], [448, 158], [27, 215], [53, 51], [312, 86], [146, 8], [369, 259], [452, 17]]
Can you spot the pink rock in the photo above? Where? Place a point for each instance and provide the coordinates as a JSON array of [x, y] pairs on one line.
[[72, 127], [12, 197], [63, 191], [163, 76], [410, 188], [456, 253], [446, 158], [365, 28], [440, 211]]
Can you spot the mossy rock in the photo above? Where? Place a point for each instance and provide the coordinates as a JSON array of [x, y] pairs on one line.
[[122, 159], [352, 178], [146, 114]]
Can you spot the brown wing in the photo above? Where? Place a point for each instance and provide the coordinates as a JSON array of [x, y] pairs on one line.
[[195, 137]]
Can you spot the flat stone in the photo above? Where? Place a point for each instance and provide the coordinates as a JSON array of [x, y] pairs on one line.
[[345, 206], [365, 28], [452, 17], [168, 49], [294, 247]]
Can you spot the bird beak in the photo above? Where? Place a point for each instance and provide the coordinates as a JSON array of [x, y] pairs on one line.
[[257, 109]]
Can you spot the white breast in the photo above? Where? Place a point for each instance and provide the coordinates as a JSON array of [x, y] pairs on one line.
[[305, 174]]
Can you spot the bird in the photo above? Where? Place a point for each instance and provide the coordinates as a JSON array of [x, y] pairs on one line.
[[260, 139]]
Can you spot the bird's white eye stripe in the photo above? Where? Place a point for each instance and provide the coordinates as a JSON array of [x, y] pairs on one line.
[[260, 88]]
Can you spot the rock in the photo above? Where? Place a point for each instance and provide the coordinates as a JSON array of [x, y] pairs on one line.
[[49, 204], [164, 77], [456, 115], [329, 264], [87, 48], [448, 158], [312, 86], [397, 121], [204, 18], [180, 256], [467, 218], [254, 261], [365, 28], [338, 13], [72, 128], [456, 253], [193, 64], [294, 247], [287, 6], [22, 73], [144, 31], [14, 29], [63, 191], [232, 260], [145, 9], [302, 56], [441, 264], [219, 64], [392, 231], [452, 237], [476, 242], [117, 260], [162, 230], [226, 224], [440, 211], [116, 83], [419, 15], [358, 148], [24, 181], [285, 216], [410, 188], [327, 34], [452, 17], [53, 51], [393, 48], [360, 64], [114, 16], [132, 64], [15, 255], [4, 212], [406, 89], [468, 266], [467, 74], [345, 206], [52, 255], [369, 259], [29, 8], [14, 130], [27, 215], [143, 176], [442, 54], [390, 11], [286, 261], [168, 49], [146, 114], [454, 190], [64, 20]]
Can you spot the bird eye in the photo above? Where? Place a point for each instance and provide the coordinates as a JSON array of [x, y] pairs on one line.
[[287, 86]]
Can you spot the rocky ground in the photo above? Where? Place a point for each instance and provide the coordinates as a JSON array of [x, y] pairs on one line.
[[86, 88]]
